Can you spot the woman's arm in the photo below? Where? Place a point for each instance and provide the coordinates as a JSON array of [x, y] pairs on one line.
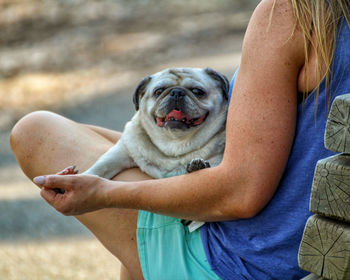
[[260, 132]]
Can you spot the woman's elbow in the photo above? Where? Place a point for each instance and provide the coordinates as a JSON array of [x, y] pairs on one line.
[[242, 195], [244, 200], [235, 210]]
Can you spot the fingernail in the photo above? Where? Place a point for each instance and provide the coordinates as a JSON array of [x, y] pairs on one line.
[[39, 180]]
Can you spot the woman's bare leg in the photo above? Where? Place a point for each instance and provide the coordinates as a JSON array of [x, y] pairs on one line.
[[124, 273], [46, 143]]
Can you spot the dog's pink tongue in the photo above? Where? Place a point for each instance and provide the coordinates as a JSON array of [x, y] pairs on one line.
[[177, 115]]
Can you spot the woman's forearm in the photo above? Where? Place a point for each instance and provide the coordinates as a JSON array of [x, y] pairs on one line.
[[205, 195]]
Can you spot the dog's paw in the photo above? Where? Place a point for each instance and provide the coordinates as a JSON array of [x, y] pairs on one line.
[[68, 171], [197, 164]]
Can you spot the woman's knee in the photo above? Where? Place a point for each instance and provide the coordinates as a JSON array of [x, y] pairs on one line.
[[27, 130], [31, 141], [45, 143]]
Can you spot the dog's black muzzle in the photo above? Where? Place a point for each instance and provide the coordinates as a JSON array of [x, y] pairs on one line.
[[176, 98]]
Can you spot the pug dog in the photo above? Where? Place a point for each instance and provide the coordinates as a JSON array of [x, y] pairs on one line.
[[180, 116], [179, 125]]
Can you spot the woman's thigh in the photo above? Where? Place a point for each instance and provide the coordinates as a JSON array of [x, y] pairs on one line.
[[46, 143]]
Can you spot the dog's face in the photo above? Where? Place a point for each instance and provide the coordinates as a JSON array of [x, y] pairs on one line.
[[180, 102]]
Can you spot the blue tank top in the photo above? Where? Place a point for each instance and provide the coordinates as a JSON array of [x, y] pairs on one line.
[[266, 246]]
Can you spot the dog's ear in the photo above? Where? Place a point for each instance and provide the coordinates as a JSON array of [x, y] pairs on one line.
[[140, 91], [223, 81]]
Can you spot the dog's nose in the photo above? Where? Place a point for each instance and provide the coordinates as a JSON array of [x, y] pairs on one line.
[[177, 93]]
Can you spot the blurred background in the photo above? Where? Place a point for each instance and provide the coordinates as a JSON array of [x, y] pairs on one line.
[[83, 59]]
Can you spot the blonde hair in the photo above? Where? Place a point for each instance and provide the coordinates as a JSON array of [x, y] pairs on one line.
[[318, 23]]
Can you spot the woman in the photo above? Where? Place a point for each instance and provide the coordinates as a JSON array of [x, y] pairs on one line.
[[256, 201]]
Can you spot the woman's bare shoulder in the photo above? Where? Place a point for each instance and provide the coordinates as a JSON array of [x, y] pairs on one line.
[[272, 29]]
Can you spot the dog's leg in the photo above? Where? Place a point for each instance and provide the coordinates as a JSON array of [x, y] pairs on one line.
[[112, 162]]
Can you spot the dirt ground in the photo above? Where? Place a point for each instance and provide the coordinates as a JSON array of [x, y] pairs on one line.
[[83, 59]]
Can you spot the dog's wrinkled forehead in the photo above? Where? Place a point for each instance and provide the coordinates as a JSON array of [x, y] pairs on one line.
[[178, 77], [184, 77]]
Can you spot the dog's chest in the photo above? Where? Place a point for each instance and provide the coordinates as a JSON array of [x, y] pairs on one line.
[[163, 163], [156, 164]]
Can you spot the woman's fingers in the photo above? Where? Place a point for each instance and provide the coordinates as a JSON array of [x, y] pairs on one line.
[[72, 194], [39, 180], [50, 195], [55, 181]]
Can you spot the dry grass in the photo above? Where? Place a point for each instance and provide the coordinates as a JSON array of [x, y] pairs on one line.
[[59, 259]]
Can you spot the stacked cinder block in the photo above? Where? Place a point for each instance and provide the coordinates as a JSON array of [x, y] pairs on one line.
[[325, 247]]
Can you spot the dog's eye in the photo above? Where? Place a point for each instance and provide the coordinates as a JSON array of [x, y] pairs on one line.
[[158, 91], [198, 91]]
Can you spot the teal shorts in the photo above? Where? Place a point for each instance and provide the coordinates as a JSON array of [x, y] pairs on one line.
[[168, 251]]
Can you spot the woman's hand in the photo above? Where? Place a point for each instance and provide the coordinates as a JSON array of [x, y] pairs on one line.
[[74, 194]]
